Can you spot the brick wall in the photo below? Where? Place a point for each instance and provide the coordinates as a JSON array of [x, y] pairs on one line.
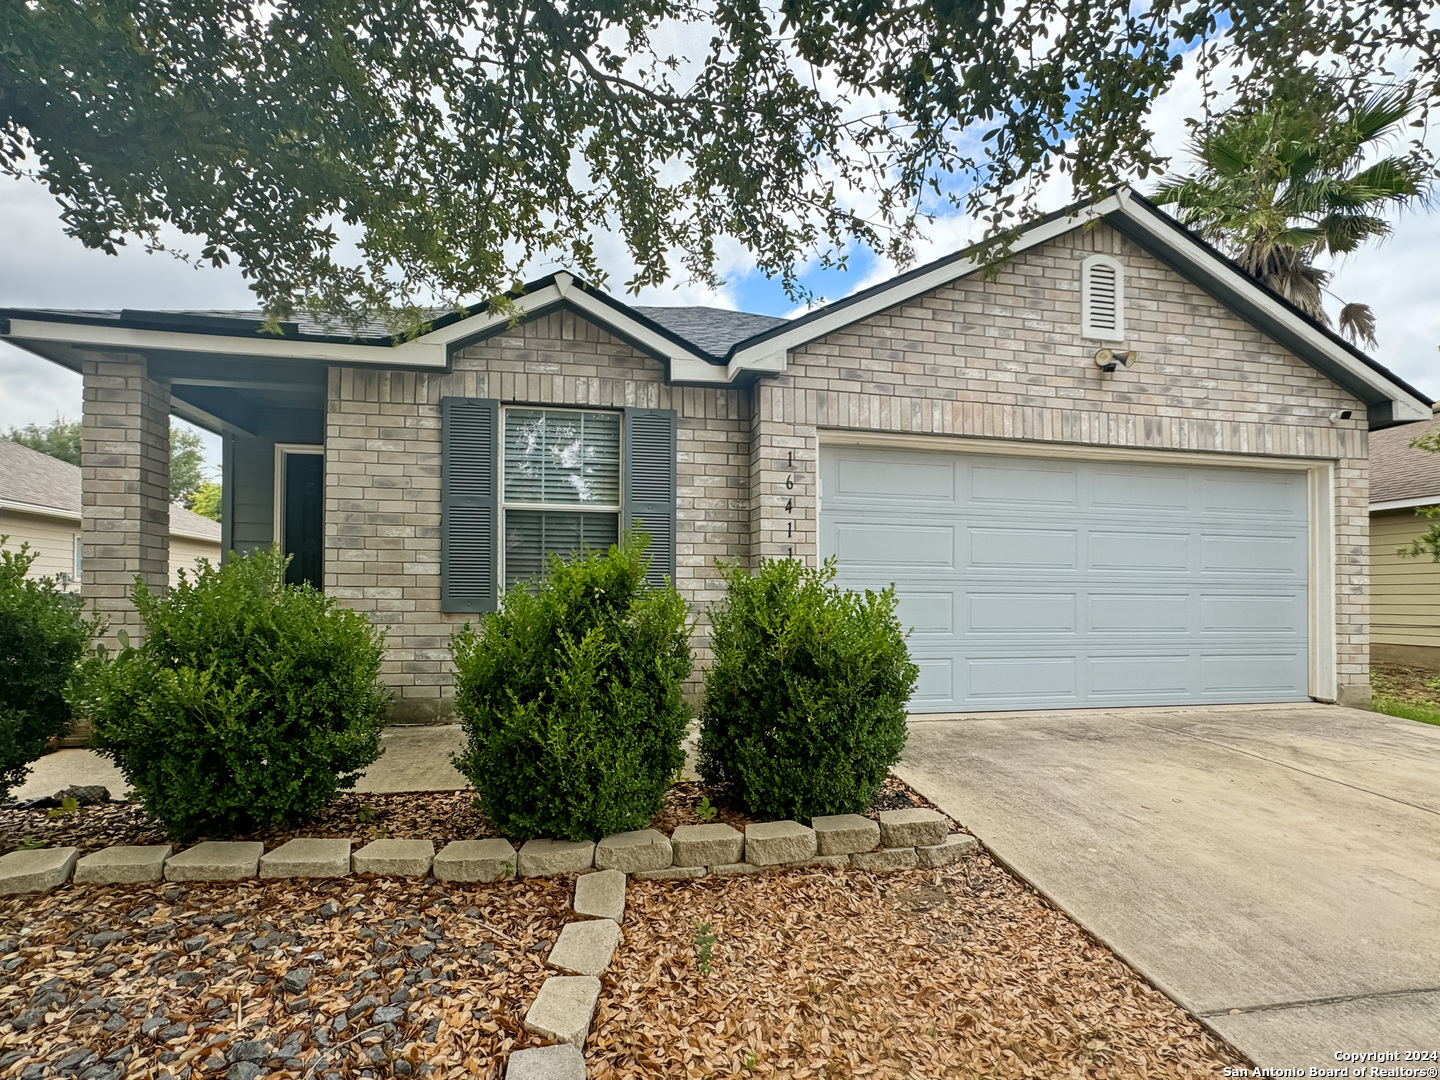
[[1000, 359], [1004, 359], [382, 477]]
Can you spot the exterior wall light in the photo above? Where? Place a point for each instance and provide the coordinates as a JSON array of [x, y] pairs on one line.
[[1111, 359]]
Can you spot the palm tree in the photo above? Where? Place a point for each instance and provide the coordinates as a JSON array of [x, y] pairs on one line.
[[1279, 187]]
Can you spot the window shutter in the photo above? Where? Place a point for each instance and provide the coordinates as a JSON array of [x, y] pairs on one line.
[[650, 485], [469, 503], [1102, 299]]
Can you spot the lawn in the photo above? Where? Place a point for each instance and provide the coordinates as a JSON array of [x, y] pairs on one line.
[[1409, 692]]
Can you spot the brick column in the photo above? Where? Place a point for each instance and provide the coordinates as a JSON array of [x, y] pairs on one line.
[[784, 463], [125, 486]]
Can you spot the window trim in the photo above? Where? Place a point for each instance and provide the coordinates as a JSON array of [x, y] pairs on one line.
[[504, 506], [1088, 329]]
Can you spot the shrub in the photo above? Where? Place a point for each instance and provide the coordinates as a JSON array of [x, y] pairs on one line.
[[250, 704], [571, 697], [43, 634], [804, 708]]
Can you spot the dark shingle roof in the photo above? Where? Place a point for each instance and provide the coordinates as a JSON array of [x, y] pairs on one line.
[[1399, 472], [713, 330], [35, 479]]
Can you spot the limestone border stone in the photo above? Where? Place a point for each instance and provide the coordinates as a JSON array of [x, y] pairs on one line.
[[845, 834], [216, 860], [771, 843], [600, 895], [394, 858], [564, 1008], [475, 860], [585, 947], [706, 845], [642, 849], [121, 865], [884, 859], [36, 870], [916, 827], [562, 1061], [540, 858], [947, 853], [307, 857]]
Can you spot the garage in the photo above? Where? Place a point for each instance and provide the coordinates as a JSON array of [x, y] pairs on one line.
[[1038, 582]]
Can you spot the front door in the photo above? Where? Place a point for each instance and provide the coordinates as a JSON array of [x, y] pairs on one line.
[[303, 526]]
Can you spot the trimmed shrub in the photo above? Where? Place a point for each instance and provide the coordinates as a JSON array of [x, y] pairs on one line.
[[570, 695], [43, 635], [250, 704], [804, 708]]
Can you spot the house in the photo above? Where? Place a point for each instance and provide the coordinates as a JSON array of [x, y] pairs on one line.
[[1067, 525], [40, 500], [1404, 592]]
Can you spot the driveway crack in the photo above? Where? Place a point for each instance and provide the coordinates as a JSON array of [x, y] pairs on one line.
[[1306, 1003]]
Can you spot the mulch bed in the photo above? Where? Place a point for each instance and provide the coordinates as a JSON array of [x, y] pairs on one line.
[[956, 972], [440, 816], [1411, 685]]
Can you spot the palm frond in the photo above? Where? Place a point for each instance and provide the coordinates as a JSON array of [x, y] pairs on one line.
[[1357, 322]]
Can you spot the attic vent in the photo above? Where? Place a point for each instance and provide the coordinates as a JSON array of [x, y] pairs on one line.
[[1102, 299]]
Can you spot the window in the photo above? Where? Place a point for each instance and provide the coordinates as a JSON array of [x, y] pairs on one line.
[[1102, 299], [561, 486]]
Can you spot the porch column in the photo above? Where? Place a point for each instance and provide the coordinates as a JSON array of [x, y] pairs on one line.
[[124, 486]]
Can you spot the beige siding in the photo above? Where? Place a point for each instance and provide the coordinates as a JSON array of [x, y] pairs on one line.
[[186, 551], [52, 539], [1404, 592]]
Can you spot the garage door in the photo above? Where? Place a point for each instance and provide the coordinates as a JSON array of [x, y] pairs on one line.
[[1038, 583]]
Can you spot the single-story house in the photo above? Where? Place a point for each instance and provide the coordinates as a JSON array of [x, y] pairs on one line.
[[1066, 524], [40, 504], [1404, 592]]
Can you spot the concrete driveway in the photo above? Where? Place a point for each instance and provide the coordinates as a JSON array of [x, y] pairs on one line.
[[1274, 869]]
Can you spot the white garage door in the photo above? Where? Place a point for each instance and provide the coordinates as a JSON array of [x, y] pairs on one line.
[[1038, 583]]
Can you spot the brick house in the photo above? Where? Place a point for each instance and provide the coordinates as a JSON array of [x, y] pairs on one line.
[[1065, 527]]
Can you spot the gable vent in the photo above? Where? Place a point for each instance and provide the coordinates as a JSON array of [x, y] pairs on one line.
[[1102, 299]]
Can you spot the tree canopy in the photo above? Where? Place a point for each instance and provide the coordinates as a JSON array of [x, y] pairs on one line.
[[364, 155]]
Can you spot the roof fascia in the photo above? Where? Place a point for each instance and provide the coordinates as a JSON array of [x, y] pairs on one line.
[[767, 353], [1389, 401], [38, 510], [1404, 504]]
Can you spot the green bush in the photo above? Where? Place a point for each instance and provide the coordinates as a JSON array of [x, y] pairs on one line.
[[571, 697], [804, 707], [250, 704], [43, 634]]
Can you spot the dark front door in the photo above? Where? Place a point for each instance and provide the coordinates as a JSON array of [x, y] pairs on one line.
[[305, 519]]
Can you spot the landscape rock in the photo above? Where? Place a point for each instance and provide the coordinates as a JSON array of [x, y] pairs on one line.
[[948, 853], [770, 843], [600, 895], [585, 948], [216, 860], [564, 1008], [844, 834], [642, 849], [884, 859], [307, 857], [84, 794], [706, 845], [394, 858], [671, 873], [559, 1062], [296, 980], [36, 870], [916, 827], [541, 858], [123, 865]]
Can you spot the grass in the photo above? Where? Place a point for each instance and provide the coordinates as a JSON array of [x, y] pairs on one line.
[[1407, 692]]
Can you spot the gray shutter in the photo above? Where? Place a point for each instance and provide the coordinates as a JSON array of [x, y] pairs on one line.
[[650, 485], [469, 503]]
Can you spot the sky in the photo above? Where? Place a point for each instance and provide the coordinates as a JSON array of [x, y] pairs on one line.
[[41, 267]]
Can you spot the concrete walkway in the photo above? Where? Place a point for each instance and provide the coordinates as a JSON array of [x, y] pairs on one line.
[[1276, 869], [414, 758]]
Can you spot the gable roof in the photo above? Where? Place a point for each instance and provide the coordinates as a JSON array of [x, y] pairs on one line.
[[33, 482], [709, 346], [1400, 475]]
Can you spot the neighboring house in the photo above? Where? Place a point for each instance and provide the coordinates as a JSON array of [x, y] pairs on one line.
[[40, 503], [1404, 592], [1062, 532]]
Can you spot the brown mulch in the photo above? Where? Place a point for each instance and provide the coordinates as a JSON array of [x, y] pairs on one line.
[[962, 972], [1411, 685], [929, 973], [440, 816]]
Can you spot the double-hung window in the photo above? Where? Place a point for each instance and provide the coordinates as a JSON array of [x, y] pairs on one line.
[[561, 488]]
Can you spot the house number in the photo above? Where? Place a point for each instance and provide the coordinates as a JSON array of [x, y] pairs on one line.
[[790, 502]]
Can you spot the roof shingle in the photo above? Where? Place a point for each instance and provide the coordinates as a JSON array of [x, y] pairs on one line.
[[1398, 472]]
